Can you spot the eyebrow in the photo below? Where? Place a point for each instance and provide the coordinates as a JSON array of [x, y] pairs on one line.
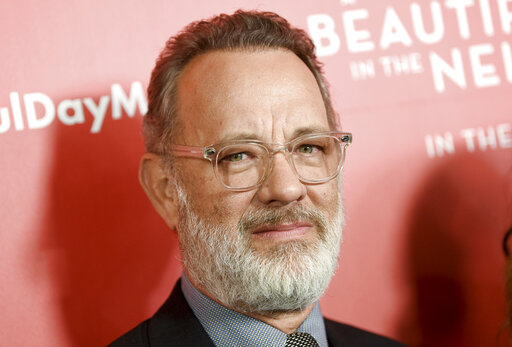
[[241, 136], [253, 136], [307, 130]]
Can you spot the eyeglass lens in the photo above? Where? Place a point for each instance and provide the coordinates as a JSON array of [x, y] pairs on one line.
[[245, 165]]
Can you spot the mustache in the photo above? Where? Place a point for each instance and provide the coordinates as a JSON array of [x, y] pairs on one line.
[[252, 220]]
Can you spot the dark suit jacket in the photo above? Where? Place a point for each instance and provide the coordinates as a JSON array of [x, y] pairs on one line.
[[174, 324]]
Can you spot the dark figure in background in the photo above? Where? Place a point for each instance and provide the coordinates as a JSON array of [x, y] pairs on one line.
[[508, 277]]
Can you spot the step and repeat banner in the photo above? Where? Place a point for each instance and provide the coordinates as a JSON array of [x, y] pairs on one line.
[[424, 86]]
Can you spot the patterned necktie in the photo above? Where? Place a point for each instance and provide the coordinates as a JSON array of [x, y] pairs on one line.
[[300, 340]]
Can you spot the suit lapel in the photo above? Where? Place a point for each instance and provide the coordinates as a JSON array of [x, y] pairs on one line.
[[174, 324]]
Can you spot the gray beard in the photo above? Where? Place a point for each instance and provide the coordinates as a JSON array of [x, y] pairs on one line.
[[289, 276]]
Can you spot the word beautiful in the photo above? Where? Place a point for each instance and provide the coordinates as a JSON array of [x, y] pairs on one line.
[[421, 24], [40, 109], [359, 38]]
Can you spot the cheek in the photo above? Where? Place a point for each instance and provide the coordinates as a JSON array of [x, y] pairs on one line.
[[324, 196], [228, 207], [198, 178], [212, 201]]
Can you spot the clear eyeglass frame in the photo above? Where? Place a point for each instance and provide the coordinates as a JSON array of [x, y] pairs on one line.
[[211, 153]]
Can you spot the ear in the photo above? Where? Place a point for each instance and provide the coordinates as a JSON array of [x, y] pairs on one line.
[[155, 181]]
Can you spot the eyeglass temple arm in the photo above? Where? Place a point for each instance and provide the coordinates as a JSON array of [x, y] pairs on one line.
[[187, 151]]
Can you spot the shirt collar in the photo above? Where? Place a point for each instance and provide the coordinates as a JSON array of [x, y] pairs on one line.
[[230, 328]]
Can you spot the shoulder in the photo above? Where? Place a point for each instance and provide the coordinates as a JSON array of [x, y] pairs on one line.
[[174, 324], [340, 334], [138, 336]]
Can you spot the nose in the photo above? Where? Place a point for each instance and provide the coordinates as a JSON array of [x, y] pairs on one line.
[[282, 186]]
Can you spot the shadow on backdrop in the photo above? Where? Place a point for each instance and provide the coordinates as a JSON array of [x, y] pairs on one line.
[[112, 253], [455, 266]]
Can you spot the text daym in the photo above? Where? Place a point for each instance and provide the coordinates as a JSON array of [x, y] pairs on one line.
[[41, 111]]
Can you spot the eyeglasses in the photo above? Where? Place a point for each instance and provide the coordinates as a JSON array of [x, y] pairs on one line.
[[244, 164]]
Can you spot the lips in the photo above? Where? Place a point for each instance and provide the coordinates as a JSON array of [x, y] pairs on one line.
[[284, 231]]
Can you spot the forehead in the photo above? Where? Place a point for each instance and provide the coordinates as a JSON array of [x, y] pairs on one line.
[[265, 94]]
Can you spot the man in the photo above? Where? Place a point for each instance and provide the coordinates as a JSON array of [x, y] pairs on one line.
[[243, 160]]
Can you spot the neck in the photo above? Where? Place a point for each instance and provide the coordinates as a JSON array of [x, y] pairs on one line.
[[287, 322]]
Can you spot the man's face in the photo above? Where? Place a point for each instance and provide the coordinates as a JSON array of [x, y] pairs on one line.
[[270, 96]]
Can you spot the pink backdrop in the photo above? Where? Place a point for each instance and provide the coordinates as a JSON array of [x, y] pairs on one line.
[[424, 86]]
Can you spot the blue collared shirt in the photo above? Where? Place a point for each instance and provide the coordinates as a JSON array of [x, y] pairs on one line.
[[230, 328]]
